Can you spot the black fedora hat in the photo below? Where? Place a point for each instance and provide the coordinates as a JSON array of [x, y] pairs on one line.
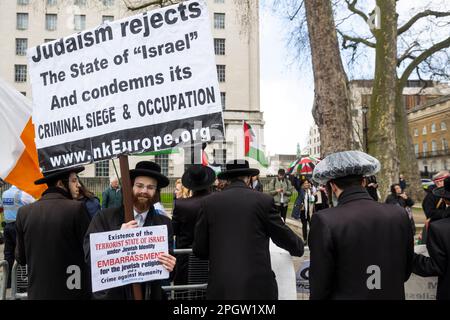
[[58, 174], [198, 177], [237, 168], [443, 192], [150, 169]]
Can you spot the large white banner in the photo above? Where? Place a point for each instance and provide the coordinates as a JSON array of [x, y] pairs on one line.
[[143, 83], [127, 256]]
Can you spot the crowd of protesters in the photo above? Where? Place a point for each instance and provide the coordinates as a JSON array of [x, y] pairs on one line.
[[360, 248]]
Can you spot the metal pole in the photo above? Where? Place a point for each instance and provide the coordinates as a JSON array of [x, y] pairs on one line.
[[128, 207]]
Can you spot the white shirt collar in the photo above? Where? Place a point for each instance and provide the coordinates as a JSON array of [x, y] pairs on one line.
[[144, 216]]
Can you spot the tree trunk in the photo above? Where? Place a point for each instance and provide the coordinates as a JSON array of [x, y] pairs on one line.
[[405, 149], [381, 131], [331, 109]]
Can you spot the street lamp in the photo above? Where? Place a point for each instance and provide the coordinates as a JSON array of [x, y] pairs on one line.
[[364, 110]]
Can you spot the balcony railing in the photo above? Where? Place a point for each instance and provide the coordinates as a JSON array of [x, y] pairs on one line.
[[431, 154]]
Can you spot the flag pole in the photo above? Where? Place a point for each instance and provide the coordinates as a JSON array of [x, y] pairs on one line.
[[128, 207]]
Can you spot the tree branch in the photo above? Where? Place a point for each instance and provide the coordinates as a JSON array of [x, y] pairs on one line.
[[420, 15], [355, 40], [352, 7], [133, 7], [408, 54], [422, 57]]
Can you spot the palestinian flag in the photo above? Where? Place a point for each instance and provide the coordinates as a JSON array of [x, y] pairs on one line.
[[252, 148]]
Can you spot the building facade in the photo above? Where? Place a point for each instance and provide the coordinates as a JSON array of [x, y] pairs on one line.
[[28, 23], [313, 147], [429, 127]]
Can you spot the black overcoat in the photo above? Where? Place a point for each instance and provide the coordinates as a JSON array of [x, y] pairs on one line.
[[50, 236], [233, 231], [350, 243]]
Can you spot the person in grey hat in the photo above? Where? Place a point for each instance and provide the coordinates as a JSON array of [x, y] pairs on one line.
[[438, 245], [50, 236], [360, 249], [146, 179], [233, 232]]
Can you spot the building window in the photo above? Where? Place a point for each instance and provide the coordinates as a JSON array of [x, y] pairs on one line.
[[424, 148], [51, 2], [443, 126], [221, 72], [424, 130], [23, 2], [416, 132], [416, 149], [107, 18], [444, 144], [219, 20], [22, 21], [220, 156], [219, 1], [108, 3], [79, 22], [219, 47], [434, 147], [433, 127], [223, 97], [79, 2], [48, 40], [102, 169], [50, 22], [20, 73], [163, 161], [21, 47]]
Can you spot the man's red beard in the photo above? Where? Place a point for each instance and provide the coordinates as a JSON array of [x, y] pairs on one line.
[[142, 201]]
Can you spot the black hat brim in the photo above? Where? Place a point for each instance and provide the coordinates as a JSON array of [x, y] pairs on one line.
[[195, 185], [163, 181], [441, 193], [58, 173], [237, 173]]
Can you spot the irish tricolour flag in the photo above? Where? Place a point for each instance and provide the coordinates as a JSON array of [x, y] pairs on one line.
[[18, 160], [252, 148]]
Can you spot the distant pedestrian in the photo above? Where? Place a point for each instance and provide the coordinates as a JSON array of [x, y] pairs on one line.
[[12, 200], [400, 198], [402, 182], [281, 190], [360, 249], [304, 204], [181, 192], [112, 196], [256, 184], [81, 193]]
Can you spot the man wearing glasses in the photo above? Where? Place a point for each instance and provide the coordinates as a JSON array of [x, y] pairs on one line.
[[146, 179]]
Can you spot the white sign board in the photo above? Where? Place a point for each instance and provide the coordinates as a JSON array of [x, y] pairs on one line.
[[127, 256], [143, 83], [421, 288], [283, 268]]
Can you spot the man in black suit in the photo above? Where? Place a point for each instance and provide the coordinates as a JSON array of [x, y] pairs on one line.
[[233, 231], [50, 236], [438, 245], [360, 249], [146, 179], [198, 179]]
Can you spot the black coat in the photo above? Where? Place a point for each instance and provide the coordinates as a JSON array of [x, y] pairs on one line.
[[399, 201], [346, 240], [50, 236], [112, 219], [432, 205], [438, 264], [184, 218], [233, 231]]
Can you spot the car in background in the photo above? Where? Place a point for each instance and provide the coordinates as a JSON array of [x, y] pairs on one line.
[[426, 183]]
